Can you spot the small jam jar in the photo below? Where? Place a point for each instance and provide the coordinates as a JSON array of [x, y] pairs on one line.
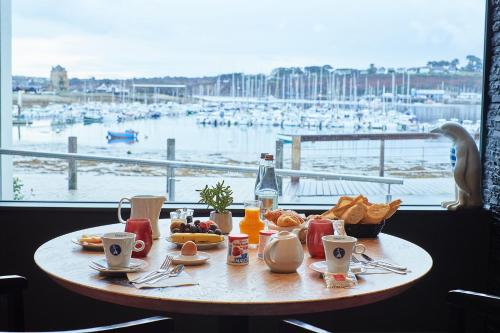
[[264, 236], [237, 249]]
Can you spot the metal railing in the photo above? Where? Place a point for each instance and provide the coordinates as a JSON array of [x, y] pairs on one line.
[[171, 165]]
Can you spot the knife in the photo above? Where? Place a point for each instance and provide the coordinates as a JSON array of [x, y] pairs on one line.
[[387, 268], [383, 263]]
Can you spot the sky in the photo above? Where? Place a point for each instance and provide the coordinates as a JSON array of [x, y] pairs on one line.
[[151, 38]]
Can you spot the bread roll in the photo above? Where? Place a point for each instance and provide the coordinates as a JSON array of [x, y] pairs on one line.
[[394, 206], [354, 214], [376, 213]]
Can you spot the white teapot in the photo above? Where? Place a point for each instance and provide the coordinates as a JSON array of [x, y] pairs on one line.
[[284, 253]]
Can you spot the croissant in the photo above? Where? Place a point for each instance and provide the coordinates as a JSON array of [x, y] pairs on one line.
[[294, 213], [289, 220], [273, 215]]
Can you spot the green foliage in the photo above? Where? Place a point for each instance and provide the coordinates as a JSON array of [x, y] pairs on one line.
[[219, 197], [18, 186], [372, 69], [474, 64]]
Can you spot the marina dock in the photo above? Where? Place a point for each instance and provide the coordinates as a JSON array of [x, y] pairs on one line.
[[298, 139]]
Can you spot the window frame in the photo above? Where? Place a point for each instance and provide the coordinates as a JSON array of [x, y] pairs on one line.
[[6, 168], [6, 165]]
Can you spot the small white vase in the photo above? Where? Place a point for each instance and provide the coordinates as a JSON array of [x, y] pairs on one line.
[[224, 221]]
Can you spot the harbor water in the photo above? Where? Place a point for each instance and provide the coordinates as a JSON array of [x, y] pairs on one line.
[[225, 144]]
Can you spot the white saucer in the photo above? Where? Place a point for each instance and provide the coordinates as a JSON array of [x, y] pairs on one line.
[[101, 265], [321, 267], [88, 246], [198, 259]]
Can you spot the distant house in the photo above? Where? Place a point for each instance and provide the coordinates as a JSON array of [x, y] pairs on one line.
[[118, 90], [103, 88], [111, 89], [381, 70], [59, 79]]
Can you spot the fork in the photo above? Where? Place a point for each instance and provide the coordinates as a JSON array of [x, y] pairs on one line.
[[366, 263], [177, 270], [165, 267]]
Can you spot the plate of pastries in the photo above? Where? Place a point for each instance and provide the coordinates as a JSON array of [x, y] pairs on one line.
[[89, 242], [286, 220], [362, 218]]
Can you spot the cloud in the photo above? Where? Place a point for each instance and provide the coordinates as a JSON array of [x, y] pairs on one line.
[[123, 38]]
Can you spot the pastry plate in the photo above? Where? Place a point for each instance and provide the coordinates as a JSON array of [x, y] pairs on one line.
[[88, 246], [321, 267], [198, 259], [200, 246], [101, 265]]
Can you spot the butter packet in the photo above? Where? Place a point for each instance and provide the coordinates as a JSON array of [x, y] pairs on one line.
[[340, 280]]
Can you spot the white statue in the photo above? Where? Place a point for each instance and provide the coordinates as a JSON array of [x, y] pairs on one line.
[[467, 170]]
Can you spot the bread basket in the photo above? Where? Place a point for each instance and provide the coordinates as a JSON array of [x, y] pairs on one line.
[[364, 230]]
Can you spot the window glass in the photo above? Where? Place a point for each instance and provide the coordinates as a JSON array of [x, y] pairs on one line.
[[360, 84]]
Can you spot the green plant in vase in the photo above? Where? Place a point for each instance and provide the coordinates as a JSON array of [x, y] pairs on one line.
[[219, 197]]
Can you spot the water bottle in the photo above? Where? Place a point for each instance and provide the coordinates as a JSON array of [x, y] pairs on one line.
[[259, 174], [267, 188]]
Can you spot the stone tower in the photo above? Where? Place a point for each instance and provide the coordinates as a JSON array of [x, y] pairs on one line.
[[59, 79]]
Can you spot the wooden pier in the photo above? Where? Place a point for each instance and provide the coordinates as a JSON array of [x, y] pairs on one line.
[[297, 140]]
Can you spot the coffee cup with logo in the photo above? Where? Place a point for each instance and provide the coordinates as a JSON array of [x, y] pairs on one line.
[[338, 252], [118, 247]]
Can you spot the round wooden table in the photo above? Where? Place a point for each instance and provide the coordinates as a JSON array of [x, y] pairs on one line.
[[226, 290]]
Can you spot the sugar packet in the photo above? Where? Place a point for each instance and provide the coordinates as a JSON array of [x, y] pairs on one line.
[[338, 228], [340, 280]]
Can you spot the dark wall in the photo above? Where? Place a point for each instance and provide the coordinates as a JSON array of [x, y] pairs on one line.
[[491, 144], [445, 235]]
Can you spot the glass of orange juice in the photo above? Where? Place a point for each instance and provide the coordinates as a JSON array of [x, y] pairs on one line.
[[251, 223]]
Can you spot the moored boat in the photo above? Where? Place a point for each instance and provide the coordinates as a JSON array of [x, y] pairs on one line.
[[128, 134]]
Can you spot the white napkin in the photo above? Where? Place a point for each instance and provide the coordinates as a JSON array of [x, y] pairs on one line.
[[183, 279]]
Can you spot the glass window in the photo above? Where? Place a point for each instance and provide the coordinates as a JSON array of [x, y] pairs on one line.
[[347, 90]]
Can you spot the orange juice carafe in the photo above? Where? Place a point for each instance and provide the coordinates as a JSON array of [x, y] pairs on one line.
[[251, 223]]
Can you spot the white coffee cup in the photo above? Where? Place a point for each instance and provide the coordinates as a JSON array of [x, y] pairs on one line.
[[118, 247], [144, 207], [338, 252]]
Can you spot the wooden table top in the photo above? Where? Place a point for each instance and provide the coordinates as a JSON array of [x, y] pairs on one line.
[[231, 290]]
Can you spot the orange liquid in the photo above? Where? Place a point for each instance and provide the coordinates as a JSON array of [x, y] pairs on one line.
[[252, 224]]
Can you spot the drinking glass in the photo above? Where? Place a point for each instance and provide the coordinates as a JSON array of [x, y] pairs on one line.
[[251, 223], [316, 230], [143, 231]]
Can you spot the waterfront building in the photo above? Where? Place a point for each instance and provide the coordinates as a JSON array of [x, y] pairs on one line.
[[59, 79]]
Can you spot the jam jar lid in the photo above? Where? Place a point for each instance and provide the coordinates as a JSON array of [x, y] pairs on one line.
[[237, 236]]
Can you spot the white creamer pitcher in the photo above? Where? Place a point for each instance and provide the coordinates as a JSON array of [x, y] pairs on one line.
[[144, 207]]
